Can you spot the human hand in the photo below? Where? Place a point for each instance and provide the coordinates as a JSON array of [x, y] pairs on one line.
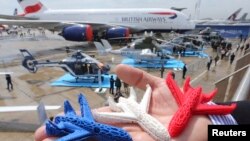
[[163, 106]]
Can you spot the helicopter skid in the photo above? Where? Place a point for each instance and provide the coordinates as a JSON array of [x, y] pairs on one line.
[[194, 54], [68, 80], [83, 80], [171, 63]]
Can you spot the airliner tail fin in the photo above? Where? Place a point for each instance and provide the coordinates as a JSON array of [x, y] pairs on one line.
[[243, 17], [32, 6], [233, 16]]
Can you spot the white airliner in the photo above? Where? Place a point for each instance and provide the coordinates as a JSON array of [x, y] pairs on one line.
[[85, 24]]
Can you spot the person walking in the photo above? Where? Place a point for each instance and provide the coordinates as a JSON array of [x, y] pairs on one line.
[[9, 82], [216, 59], [118, 84], [208, 65], [210, 60], [232, 58], [162, 70], [246, 48], [223, 53], [184, 70], [111, 89]]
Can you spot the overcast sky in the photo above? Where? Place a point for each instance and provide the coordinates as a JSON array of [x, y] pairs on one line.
[[217, 9]]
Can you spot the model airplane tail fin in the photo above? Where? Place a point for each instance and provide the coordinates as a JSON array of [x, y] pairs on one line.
[[42, 115], [233, 16], [145, 101], [32, 6], [41, 111]]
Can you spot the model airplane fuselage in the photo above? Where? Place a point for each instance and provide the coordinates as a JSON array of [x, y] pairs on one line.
[[127, 110], [74, 127]]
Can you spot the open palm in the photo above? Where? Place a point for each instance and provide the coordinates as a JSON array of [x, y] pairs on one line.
[[162, 107]]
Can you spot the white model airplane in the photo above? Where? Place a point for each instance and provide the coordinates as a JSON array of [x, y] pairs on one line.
[[85, 24], [127, 110]]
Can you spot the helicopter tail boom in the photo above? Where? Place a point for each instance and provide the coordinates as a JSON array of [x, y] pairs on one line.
[[29, 62]]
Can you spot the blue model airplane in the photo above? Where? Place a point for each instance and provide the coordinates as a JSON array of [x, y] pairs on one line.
[[74, 127]]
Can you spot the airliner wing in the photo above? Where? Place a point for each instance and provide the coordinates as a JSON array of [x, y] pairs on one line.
[[48, 24], [10, 17], [51, 25], [59, 25]]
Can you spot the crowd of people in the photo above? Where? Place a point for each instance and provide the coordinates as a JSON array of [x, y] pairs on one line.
[[115, 87]]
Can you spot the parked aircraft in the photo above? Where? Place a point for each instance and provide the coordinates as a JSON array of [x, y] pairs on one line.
[[230, 20], [80, 65], [141, 50], [234, 15], [86, 24], [243, 19], [184, 45]]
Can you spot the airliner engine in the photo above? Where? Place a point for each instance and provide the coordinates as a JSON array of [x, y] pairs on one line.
[[117, 32], [85, 33], [78, 33]]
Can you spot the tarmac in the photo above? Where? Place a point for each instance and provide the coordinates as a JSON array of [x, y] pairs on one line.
[[32, 88]]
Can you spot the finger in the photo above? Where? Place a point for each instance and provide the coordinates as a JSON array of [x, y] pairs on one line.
[[103, 109], [50, 139], [40, 134], [141, 136], [136, 77]]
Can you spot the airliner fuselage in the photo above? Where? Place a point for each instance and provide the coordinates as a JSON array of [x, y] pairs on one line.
[[146, 19]]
